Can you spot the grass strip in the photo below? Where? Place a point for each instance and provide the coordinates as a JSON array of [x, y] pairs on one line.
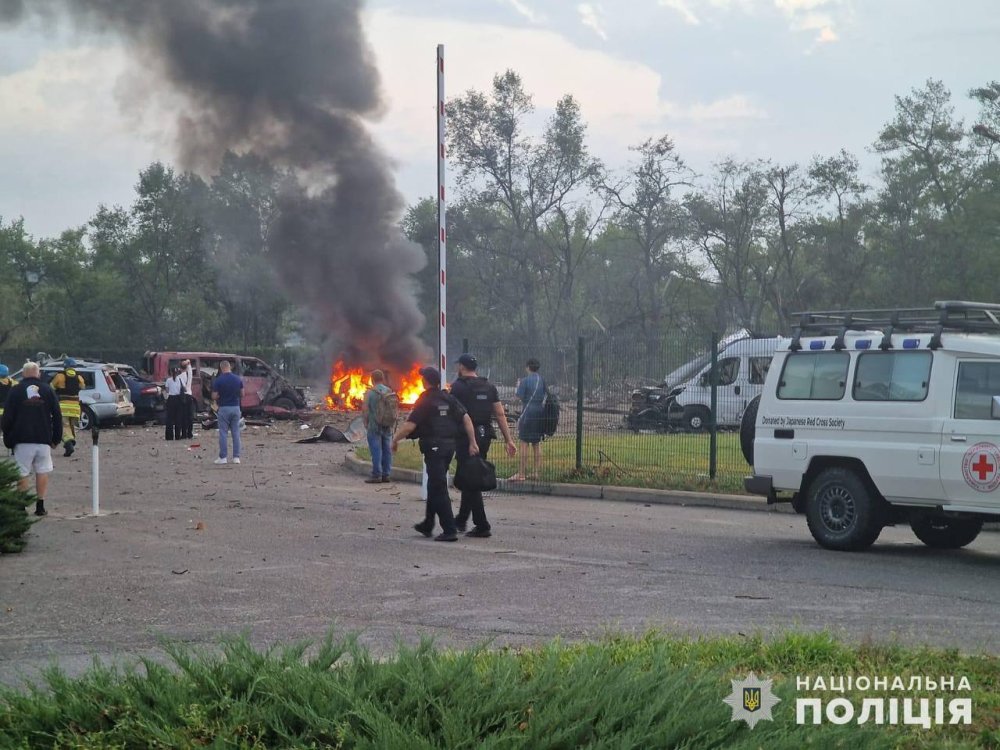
[[677, 461], [618, 692]]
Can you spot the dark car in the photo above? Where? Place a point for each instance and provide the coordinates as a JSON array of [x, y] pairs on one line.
[[147, 396]]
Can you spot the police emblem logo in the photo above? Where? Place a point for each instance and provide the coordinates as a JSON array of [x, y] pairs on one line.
[[752, 700]]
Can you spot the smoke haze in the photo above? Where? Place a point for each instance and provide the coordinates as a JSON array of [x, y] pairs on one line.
[[291, 81]]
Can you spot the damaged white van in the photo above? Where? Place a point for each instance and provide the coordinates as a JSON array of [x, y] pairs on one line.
[[742, 367]]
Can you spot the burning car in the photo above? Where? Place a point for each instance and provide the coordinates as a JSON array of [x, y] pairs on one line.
[[348, 385]]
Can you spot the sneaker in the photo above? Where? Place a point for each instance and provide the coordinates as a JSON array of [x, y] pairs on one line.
[[236, 460], [446, 537], [373, 480], [423, 529], [222, 461], [68, 450], [481, 533], [40, 509], [461, 526], [385, 478]]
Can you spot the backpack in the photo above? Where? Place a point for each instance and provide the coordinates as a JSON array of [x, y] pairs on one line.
[[550, 413], [386, 408]]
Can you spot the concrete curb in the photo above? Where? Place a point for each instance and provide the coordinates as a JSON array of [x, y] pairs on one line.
[[604, 492]]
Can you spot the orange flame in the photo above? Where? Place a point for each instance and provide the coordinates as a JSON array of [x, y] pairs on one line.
[[348, 386]]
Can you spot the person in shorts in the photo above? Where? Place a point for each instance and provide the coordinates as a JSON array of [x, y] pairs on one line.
[[32, 427]]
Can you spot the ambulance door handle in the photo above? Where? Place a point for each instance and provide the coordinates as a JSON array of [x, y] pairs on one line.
[[958, 438]]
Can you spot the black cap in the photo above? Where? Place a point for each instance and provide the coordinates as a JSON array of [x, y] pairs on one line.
[[431, 375], [468, 362]]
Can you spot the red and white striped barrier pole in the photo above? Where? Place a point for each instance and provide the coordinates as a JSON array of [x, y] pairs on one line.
[[442, 225], [442, 237]]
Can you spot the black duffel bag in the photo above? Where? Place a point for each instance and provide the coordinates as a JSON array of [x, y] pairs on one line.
[[476, 474]]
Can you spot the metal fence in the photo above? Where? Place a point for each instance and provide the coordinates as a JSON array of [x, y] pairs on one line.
[[622, 419]]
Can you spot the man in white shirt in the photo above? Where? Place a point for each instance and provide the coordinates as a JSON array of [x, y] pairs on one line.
[[187, 402]]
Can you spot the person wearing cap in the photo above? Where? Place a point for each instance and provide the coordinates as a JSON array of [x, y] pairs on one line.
[[32, 426], [67, 385], [437, 419], [482, 402]]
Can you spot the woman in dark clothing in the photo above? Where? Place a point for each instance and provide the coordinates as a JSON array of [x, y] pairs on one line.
[[531, 391]]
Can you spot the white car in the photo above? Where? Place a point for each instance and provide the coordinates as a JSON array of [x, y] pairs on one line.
[[873, 418], [105, 398]]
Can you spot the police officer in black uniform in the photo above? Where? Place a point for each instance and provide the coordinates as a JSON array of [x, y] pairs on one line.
[[436, 419], [481, 400]]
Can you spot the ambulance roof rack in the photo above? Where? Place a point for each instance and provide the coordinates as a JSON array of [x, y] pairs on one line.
[[948, 315]]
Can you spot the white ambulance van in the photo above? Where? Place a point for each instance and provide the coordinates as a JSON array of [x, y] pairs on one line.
[[878, 417]]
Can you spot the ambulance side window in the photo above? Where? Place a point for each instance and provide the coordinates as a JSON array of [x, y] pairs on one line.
[[978, 383], [820, 376], [892, 376]]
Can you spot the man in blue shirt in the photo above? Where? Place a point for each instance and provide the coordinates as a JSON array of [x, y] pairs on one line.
[[227, 391]]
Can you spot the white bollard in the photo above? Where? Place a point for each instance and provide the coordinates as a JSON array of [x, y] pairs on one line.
[[95, 482]]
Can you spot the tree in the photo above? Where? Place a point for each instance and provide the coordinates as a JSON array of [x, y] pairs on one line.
[[727, 228], [239, 218], [843, 258], [157, 250], [646, 220], [529, 194], [20, 273]]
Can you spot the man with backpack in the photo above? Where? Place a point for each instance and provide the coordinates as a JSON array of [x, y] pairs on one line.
[[381, 414], [482, 402]]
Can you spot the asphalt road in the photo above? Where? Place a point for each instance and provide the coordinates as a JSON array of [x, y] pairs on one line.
[[285, 553]]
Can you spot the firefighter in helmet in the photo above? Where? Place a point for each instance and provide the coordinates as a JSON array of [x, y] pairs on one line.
[[67, 385]]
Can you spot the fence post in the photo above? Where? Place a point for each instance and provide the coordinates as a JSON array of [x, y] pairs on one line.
[[713, 442], [579, 402], [465, 346]]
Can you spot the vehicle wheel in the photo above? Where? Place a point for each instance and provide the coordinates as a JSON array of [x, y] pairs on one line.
[[87, 419], [748, 429], [942, 532], [283, 402], [842, 512], [696, 418]]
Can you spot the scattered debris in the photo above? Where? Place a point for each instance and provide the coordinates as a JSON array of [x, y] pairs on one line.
[[179, 572]]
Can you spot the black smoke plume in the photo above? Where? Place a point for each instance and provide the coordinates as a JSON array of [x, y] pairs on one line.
[[292, 81]]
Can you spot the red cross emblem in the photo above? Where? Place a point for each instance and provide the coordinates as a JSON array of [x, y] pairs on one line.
[[982, 467], [979, 467]]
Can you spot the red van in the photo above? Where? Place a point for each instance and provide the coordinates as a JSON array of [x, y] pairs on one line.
[[262, 384]]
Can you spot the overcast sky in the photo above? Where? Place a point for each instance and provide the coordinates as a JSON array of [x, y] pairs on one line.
[[783, 79]]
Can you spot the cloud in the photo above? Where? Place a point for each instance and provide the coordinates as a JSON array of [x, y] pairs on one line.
[[681, 7], [591, 17], [802, 15], [524, 10], [621, 100]]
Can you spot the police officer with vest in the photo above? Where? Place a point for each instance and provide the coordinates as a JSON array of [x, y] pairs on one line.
[[67, 385], [481, 400], [436, 420]]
